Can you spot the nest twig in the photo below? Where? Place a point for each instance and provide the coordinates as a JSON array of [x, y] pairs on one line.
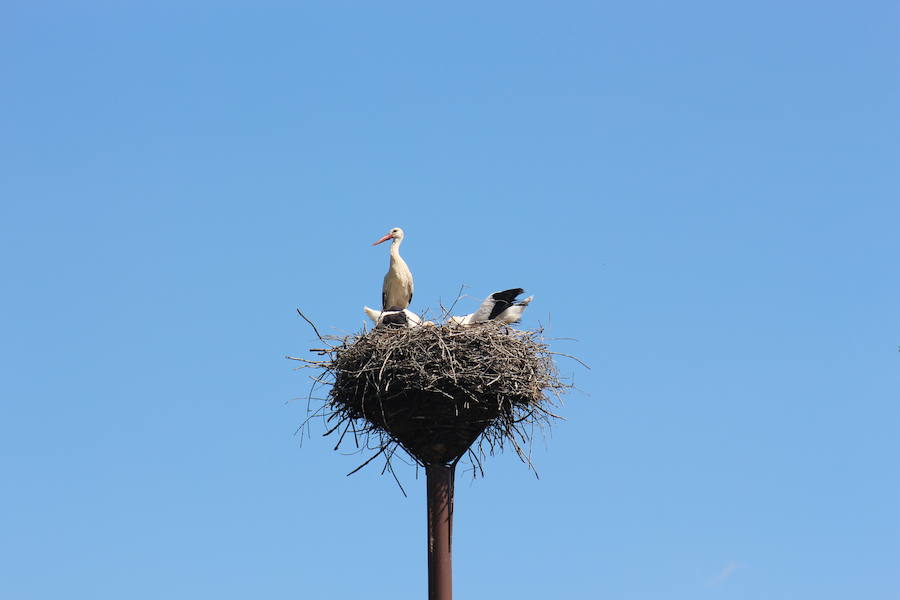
[[437, 392]]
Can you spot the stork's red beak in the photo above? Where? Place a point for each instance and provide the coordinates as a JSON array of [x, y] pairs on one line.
[[384, 239]]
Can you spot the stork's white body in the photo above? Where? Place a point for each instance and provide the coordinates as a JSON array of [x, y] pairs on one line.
[[397, 289]]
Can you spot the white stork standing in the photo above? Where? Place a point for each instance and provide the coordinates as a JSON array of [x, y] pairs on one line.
[[499, 306], [398, 282]]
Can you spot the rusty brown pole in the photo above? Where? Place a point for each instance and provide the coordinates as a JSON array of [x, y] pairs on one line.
[[439, 483]]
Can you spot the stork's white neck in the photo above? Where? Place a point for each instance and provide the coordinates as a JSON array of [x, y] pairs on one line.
[[395, 249]]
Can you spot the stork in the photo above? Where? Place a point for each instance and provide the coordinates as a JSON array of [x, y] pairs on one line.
[[398, 282], [499, 306], [402, 317]]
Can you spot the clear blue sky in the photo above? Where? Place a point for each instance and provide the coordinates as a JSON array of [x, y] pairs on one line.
[[704, 194]]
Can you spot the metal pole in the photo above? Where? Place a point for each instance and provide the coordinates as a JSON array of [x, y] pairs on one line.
[[439, 482]]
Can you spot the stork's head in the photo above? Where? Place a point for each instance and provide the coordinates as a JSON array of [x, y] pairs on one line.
[[394, 234]]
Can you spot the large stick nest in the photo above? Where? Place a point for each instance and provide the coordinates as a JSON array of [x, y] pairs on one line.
[[436, 391]]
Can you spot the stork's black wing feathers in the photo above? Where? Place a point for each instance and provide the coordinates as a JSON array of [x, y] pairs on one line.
[[499, 307], [503, 300], [397, 318]]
